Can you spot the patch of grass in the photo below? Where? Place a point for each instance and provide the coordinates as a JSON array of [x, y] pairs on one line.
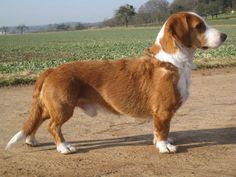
[[17, 78], [16, 81], [222, 21], [203, 63]]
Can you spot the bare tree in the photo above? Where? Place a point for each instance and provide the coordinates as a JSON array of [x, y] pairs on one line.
[[157, 10], [183, 5], [154, 6], [22, 28]]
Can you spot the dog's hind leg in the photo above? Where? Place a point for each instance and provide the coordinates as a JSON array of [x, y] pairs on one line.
[[30, 126], [30, 139], [59, 114], [42, 115], [35, 117]]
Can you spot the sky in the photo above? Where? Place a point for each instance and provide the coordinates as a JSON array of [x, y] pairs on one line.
[[42, 12]]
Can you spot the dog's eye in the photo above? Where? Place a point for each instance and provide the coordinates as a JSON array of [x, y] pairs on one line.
[[199, 26]]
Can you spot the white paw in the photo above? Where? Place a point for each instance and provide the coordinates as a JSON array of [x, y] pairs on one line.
[[166, 147], [31, 140], [66, 148]]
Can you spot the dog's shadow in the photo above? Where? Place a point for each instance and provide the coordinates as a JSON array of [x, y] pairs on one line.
[[184, 139]]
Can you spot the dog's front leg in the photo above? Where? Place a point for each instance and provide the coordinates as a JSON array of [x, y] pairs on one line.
[[161, 132]]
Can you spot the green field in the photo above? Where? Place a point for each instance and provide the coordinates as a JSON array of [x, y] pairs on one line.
[[22, 57]]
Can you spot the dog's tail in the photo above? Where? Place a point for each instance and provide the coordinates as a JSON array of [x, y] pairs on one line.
[[35, 115]]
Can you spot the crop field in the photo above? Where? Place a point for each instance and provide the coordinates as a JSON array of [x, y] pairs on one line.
[[22, 57]]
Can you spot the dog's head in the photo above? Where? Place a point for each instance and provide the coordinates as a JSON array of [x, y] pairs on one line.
[[188, 30]]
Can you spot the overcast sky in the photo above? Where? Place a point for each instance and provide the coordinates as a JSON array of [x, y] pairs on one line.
[[41, 12]]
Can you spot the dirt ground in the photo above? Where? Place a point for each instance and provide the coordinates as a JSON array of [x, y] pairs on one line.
[[204, 130]]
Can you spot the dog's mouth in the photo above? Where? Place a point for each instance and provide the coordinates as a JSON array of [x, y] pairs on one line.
[[204, 47]]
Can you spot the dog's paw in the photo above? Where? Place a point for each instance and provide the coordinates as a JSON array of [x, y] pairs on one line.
[[66, 148], [170, 140], [31, 141], [166, 147]]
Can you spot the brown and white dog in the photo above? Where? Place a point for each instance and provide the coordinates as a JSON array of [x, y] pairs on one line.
[[155, 85]]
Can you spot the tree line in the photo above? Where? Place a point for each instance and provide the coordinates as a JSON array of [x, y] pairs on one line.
[[21, 29], [157, 11]]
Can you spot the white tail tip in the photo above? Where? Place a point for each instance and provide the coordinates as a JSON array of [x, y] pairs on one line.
[[16, 138]]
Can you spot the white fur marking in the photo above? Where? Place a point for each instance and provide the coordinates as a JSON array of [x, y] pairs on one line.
[[183, 55], [16, 138], [184, 82], [193, 13], [182, 59], [31, 140], [66, 148], [213, 39], [165, 147], [212, 35], [160, 35]]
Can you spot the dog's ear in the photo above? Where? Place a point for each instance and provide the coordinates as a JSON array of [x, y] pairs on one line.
[[176, 32], [180, 30], [167, 42]]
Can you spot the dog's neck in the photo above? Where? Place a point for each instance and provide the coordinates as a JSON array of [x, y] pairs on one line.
[[182, 58]]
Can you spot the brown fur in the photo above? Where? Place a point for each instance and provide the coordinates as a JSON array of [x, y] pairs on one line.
[[152, 51], [144, 87]]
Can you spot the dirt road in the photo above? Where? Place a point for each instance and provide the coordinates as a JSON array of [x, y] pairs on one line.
[[110, 146]]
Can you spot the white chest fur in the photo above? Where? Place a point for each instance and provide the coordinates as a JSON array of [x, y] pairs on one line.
[[182, 59], [184, 65], [184, 82]]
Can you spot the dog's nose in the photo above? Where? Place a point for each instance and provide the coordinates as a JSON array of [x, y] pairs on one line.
[[223, 37]]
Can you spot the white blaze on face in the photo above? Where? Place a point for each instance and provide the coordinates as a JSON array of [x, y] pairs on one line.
[[213, 37]]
